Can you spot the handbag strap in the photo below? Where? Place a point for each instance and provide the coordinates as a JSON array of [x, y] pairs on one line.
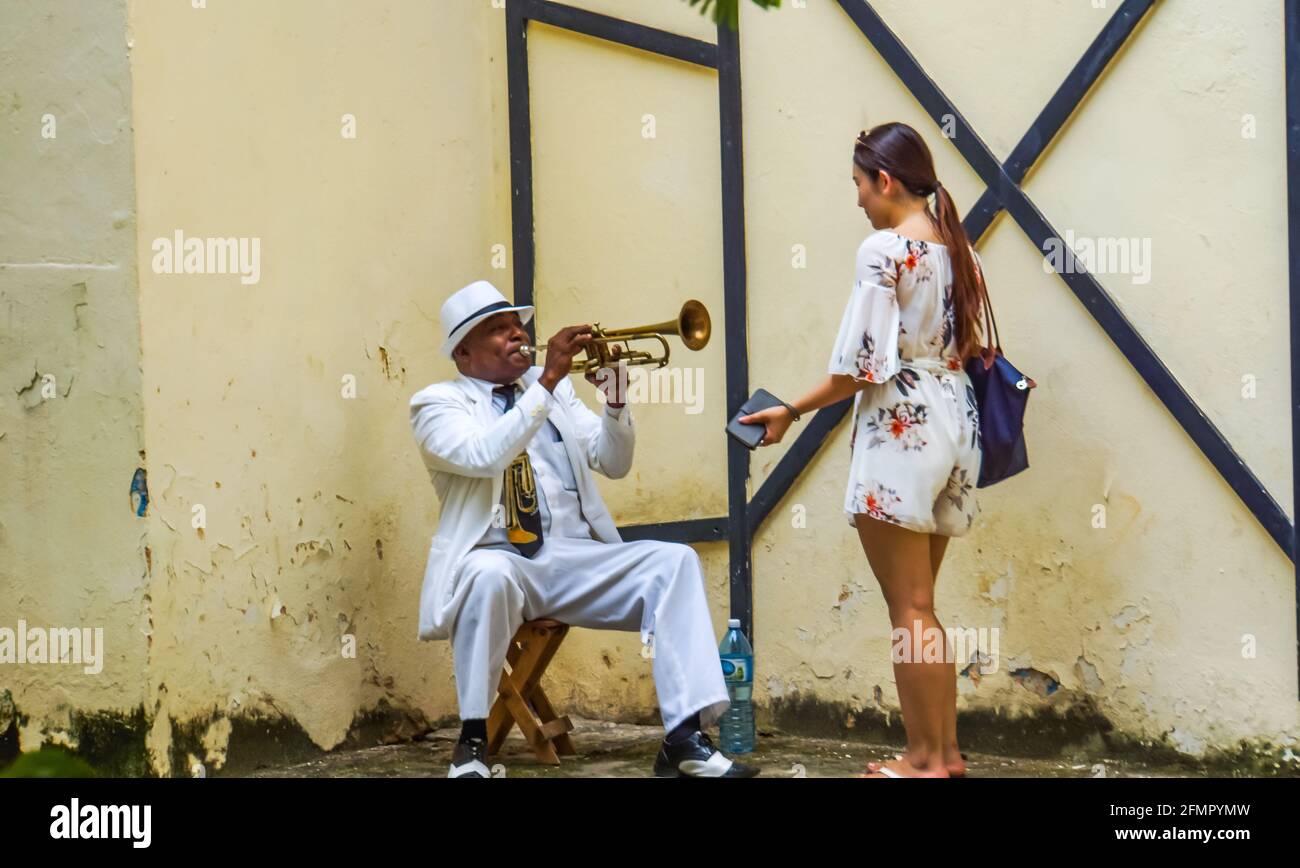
[[990, 321]]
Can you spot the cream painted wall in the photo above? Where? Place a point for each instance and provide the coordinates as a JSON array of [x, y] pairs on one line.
[[72, 550], [237, 116], [1145, 618], [318, 508]]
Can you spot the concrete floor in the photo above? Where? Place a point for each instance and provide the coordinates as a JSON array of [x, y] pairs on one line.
[[627, 751]]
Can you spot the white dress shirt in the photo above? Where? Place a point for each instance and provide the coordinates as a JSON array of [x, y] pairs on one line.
[[557, 487]]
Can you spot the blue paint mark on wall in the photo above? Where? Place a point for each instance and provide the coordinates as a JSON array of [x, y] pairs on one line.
[[139, 492], [1033, 680]]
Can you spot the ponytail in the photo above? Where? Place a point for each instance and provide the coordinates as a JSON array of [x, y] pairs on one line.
[[967, 282]]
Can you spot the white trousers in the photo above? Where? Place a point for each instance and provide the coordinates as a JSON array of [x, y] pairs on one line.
[[647, 585]]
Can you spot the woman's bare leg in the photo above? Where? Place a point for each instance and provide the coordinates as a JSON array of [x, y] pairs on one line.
[[901, 561], [951, 753]]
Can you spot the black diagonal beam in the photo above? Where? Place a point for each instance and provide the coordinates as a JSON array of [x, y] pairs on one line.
[[1039, 137], [627, 33], [1060, 107], [792, 463], [1094, 298], [1293, 244]]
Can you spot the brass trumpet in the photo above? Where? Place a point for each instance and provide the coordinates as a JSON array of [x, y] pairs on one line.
[[692, 325]]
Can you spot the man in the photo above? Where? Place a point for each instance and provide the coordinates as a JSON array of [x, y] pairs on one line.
[[479, 587]]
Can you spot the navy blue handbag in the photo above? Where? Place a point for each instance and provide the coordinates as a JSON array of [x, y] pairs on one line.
[[1001, 393]]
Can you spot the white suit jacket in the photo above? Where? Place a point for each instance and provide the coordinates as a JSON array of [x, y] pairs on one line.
[[467, 444]]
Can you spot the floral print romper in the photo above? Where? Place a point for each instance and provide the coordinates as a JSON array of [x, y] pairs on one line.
[[915, 447]]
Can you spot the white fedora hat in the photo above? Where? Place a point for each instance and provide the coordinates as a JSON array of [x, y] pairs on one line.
[[469, 307]]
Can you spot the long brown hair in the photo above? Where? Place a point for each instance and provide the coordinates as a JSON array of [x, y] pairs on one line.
[[899, 150]]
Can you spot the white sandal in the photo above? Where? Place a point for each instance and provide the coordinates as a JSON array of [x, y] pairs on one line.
[[883, 770]]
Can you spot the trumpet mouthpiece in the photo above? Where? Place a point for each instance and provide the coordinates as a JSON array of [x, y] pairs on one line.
[[527, 350]]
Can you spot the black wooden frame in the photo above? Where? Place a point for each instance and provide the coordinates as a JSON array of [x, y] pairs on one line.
[[1003, 193], [725, 58]]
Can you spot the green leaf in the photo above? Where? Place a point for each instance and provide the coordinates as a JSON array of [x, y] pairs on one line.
[[728, 11], [48, 762]]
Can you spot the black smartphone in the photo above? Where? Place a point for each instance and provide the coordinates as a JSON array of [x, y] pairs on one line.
[[751, 433]]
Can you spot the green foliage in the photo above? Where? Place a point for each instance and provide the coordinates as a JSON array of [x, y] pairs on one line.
[[48, 762], [728, 11]]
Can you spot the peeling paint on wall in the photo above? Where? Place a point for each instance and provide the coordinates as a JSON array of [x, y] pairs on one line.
[[1088, 675]]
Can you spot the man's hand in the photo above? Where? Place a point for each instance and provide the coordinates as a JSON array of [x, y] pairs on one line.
[[611, 381], [560, 350]]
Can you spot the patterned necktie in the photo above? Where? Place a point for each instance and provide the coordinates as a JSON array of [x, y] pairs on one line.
[[508, 393], [529, 521]]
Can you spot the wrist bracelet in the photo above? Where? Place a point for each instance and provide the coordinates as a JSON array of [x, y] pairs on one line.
[[793, 412]]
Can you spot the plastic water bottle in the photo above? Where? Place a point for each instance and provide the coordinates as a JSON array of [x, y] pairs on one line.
[[736, 728]]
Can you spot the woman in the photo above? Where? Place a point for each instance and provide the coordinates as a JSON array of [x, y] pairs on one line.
[[911, 323]]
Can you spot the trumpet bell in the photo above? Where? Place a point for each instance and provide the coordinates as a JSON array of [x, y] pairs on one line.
[[694, 325]]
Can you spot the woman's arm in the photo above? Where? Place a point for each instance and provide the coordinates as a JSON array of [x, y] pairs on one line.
[[832, 390], [866, 349]]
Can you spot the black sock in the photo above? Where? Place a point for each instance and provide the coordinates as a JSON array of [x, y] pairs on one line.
[[683, 730], [473, 728]]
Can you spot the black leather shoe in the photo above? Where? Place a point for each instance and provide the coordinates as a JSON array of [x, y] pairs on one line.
[[469, 760], [696, 757]]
